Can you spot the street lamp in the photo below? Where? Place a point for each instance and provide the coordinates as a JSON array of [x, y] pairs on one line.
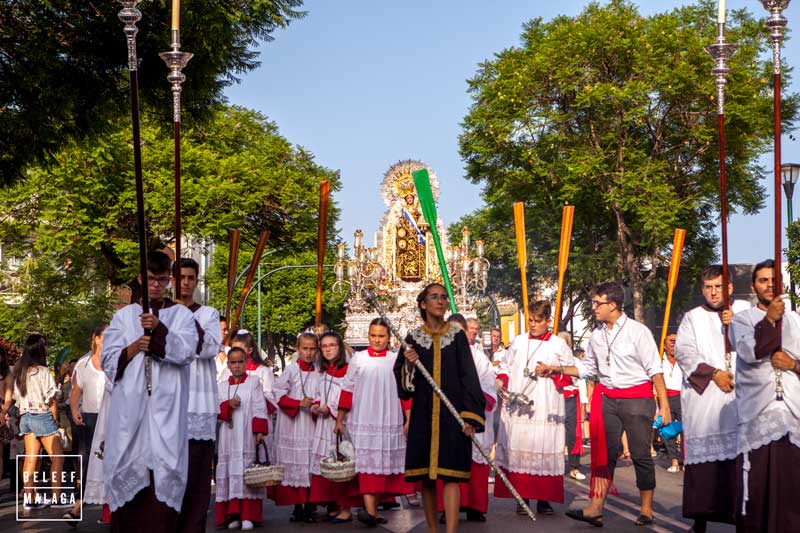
[[790, 172]]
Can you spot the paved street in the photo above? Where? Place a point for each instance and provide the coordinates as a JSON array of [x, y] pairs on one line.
[[620, 513]]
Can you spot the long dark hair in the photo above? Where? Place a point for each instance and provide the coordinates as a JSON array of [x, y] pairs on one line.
[[341, 357], [97, 332], [246, 338], [4, 368], [33, 354]]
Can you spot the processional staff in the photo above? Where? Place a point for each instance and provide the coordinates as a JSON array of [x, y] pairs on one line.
[[233, 260], [322, 230], [567, 215], [176, 61], [130, 16], [672, 281], [776, 23], [522, 256], [426, 202], [721, 52]]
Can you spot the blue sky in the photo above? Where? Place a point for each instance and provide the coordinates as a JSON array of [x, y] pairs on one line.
[[363, 84]]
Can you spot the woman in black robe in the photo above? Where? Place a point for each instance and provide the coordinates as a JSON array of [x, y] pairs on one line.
[[437, 447]]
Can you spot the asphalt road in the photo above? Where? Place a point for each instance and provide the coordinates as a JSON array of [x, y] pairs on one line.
[[620, 512]]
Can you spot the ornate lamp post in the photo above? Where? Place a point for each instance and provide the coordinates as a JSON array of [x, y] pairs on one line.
[[790, 172], [469, 272], [362, 271]]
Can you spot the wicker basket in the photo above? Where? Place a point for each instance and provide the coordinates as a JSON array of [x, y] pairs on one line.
[[262, 474], [338, 467]]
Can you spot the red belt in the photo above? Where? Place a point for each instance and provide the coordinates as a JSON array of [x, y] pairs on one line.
[[597, 430]]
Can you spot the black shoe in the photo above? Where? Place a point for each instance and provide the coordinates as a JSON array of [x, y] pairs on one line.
[[475, 516], [577, 514], [644, 520], [297, 515], [367, 519], [543, 507], [442, 519]]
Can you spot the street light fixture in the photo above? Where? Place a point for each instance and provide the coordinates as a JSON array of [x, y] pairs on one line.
[[790, 172]]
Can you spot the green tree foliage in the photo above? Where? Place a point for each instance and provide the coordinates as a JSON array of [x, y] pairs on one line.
[[63, 66], [76, 218], [615, 113], [288, 294]]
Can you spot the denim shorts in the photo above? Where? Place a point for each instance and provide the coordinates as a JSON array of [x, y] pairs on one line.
[[40, 424]]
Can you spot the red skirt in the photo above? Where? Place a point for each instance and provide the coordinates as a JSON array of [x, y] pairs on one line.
[[325, 491], [239, 509], [283, 495], [529, 486], [474, 494], [387, 484]]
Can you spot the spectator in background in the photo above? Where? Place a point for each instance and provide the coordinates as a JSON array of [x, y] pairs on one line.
[[35, 394], [674, 380], [497, 350], [88, 386], [573, 420]]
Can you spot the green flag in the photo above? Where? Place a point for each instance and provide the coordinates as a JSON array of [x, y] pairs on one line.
[[423, 183]]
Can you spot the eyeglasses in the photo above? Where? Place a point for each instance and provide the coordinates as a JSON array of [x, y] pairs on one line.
[[161, 280], [598, 303], [441, 297]]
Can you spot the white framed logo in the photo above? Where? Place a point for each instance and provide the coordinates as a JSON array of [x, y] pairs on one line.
[[34, 506]]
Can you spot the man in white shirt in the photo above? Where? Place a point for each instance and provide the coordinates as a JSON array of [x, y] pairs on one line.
[[708, 404], [767, 340], [145, 455], [203, 403], [496, 352], [624, 357]]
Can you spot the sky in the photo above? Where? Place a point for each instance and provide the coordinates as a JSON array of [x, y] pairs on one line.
[[363, 84]]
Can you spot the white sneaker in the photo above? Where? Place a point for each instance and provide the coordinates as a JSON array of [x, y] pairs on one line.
[[674, 469], [577, 474], [32, 506], [247, 525], [235, 525]]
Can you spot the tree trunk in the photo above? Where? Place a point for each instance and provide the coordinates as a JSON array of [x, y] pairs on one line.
[[630, 264]]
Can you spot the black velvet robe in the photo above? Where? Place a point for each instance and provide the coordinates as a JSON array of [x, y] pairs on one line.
[[437, 448]]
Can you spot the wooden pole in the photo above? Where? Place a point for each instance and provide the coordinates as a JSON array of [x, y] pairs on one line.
[[672, 280], [522, 257], [248, 280], [324, 195], [567, 214], [233, 259]]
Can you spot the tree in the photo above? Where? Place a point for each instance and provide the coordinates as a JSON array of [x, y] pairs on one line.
[[288, 295], [615, 113], [63, 66], [77, 216]]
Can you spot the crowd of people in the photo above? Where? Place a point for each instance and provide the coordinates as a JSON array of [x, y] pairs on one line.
[[162, 409]]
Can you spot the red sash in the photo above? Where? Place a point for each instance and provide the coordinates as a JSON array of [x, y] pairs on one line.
[[597, 433], [671, 392]]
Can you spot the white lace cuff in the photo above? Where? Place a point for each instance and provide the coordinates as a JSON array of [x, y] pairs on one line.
[[408, 377]]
